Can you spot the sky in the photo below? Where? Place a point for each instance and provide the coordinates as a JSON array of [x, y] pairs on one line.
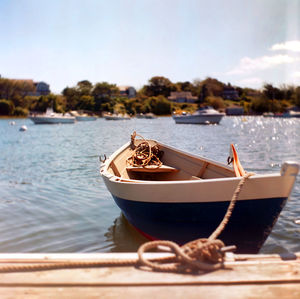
[[126, 42]]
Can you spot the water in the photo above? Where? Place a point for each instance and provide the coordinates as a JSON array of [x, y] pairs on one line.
[[52, 198]]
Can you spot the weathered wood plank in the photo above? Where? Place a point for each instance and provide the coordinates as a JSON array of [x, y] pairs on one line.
[[198, 292], [258, 276]]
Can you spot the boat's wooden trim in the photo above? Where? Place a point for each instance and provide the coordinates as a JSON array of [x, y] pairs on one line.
[[115, 169], [163, 168], [202, 170]]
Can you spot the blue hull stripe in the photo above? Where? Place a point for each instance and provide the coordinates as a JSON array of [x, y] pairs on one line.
[[249, 226]]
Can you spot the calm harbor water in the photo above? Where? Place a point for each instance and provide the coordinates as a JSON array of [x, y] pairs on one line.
[[52, 198]]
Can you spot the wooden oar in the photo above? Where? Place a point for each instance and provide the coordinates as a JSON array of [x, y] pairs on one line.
[[237, 167]]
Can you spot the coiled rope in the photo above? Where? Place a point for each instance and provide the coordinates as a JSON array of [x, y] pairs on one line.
[[144, 154]]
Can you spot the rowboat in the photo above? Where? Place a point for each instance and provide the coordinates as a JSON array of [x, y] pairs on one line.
[[187, 196]]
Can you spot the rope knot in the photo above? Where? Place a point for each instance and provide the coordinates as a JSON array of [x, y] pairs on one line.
[[201, 254], [205, 250]]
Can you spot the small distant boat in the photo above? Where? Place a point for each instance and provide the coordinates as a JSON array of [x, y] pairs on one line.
[[271, 114], [268, 114], [146, 115], [117, 117], [51, 117], [23, 128], [291, 113], [85, 118], [187, 197], [204, 116]]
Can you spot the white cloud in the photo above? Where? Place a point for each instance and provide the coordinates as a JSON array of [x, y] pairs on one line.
[[248, 65], [296, 74], [250, 82], [289, 46]]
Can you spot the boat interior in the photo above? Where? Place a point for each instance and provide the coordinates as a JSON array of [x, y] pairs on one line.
[[176, 166]]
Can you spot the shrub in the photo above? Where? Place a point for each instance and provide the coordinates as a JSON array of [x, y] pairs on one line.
[[19, 111], [7, 107]]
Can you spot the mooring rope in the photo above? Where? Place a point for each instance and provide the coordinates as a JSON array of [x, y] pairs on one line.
[[201, 254], [231, 206]]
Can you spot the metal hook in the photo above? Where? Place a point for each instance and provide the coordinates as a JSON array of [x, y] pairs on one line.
[[229, 160], [102, 160]]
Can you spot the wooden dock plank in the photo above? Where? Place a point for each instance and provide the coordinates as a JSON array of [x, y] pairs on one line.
[[268, 277]]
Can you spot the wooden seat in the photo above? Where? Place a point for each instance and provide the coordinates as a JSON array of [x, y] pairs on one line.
[[152, 169]]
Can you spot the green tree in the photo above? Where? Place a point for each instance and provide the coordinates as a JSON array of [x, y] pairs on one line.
[[160, 105], [261, 104], [72, 97], [104, 90], [19, 111], [296, 96], [86, 102], [103, 93], [159, 86], [216, 102], [185, 86], [84, 87], [15, 90], [7, 107], [213, 87], [272, 92], [288, 91]]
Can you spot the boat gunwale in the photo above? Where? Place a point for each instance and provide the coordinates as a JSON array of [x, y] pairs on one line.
[[104, 169]]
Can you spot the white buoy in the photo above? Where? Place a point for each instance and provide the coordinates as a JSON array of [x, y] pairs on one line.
[[12, 123], [23, 128]]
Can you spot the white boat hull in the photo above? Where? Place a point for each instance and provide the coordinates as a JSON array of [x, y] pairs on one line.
[[86, 118], [117, 118], [198, 119], [52, 120]]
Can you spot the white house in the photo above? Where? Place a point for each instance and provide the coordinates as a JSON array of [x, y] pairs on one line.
[[182, 97], [127, 91]]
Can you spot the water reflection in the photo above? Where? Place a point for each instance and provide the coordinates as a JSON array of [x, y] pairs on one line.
[[123, 237]]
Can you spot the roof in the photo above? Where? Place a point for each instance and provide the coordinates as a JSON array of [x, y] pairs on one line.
[[124, 88], [182, 94]]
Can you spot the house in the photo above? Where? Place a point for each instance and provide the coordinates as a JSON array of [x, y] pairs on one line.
[[294, 108], [234, 110], [127, 91], [41, 88], [182, 97], [230, 93]]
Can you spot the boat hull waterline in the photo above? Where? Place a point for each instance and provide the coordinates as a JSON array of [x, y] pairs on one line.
[[184, 210], [86, 118], [52, 120], [183, 222]]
